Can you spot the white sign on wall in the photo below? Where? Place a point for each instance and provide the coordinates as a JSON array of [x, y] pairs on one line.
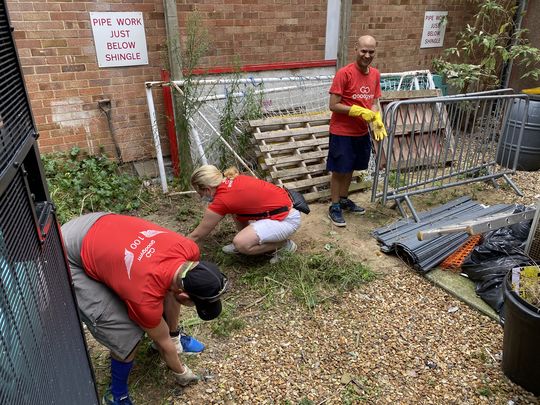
[[434, 28], [119, 39]]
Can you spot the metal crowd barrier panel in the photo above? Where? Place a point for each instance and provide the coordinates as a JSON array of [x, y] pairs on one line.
[[436, 143]]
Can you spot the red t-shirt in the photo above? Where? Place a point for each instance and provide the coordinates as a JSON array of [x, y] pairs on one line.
[[137, 260], [249, 195], [357, 88]]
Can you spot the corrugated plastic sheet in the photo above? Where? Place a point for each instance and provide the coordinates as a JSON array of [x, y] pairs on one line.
[[400, 237]]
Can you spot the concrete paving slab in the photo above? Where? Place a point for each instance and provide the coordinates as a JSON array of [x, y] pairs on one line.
[[462, 288]]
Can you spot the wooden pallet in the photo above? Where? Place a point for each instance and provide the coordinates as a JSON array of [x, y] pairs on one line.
[[293, 151]]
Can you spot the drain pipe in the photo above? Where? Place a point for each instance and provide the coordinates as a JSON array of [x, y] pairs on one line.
[[105, 106], [518, 19]]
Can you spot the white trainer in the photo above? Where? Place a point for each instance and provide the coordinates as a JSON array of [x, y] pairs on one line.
[[230, 249], [288, 248]]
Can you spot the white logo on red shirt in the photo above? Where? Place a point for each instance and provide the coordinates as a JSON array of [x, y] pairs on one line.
[[149, 233], [128, 260], [148, 251], [364, 93]]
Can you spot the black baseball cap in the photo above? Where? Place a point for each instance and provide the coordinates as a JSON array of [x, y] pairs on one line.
[[205, 284]]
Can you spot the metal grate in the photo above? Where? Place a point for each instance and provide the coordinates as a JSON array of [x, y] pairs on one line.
[[15, 119], [44, 358]]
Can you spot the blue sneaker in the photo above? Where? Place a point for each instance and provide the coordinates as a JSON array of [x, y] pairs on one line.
[[108, 399], [349, 205], [336, 216], [190, 345]]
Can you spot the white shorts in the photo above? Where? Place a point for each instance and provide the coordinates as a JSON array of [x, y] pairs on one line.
[[271, 230]]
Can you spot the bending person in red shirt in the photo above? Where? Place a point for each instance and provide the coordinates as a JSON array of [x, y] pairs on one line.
[[130, 277], [353, 102], [262, 211]]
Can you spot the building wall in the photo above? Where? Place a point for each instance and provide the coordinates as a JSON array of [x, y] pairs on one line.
[[57, 52], [397, 25]]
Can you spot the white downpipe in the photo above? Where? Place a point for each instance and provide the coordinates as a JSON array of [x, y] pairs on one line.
[[155, 135]]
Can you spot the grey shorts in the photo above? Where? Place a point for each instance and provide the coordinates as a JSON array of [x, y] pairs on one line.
[[103, 312]]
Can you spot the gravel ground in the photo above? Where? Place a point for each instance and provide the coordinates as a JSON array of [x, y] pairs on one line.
[[398, 339]]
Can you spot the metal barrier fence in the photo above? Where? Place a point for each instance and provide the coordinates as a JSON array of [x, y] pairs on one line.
[[435, 143]]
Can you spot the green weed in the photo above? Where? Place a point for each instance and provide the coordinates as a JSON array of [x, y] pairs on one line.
[[310, 278], [485, 391], [79, 183]]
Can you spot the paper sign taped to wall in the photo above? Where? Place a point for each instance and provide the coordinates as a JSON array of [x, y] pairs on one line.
[[434, 28], [119, 39]]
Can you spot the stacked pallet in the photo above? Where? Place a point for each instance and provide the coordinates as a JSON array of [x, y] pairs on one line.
[[293, 150]]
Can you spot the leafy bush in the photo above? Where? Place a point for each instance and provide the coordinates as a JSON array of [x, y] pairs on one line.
[[484, 48], [79, 183]]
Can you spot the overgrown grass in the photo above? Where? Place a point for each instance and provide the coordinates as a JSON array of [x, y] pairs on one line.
[[309, 278], [79, 183]]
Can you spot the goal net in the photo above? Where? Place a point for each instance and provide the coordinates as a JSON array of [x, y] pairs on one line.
[[220, 111], [219, 127]]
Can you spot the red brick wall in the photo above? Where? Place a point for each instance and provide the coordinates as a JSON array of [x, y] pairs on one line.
[[397, 25], [56, 49]]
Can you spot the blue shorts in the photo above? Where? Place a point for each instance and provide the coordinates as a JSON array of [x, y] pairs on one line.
[[348, 153]]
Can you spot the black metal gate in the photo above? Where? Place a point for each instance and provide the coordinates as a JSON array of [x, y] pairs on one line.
[[43, 355]]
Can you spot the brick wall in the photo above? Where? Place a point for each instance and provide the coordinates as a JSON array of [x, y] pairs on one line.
[[56, 49], [397, 25]]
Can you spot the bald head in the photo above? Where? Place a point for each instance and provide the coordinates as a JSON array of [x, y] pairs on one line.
[[365, 52], [366, 40]]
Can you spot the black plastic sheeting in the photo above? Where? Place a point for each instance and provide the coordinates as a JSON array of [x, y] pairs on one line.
[[489, 262], [401, 236]]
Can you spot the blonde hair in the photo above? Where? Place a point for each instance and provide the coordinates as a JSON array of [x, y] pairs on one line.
[[210, 176]]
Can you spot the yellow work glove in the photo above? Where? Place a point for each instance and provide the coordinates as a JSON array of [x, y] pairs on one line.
[[377, 127], [366, 114]]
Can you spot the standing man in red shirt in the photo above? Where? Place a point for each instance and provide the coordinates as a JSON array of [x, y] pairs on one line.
[[130, 277], [354, 93]]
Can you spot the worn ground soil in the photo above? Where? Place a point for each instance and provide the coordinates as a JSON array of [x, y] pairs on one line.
[[398, 339]]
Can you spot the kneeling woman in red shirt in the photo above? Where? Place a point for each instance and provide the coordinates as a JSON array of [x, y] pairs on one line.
[[262, 211]]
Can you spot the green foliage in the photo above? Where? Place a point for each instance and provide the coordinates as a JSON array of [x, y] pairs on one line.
[[79, 183], [310, 278], [195, 46], [243, 103], [484, 48]]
